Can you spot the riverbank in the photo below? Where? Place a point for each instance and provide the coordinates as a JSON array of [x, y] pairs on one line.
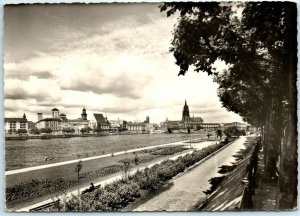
[[143, 179], [52, 136], [31, 153], [37, 185]]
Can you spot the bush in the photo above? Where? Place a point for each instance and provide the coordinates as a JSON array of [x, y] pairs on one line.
[[35, 188], [118, 194]]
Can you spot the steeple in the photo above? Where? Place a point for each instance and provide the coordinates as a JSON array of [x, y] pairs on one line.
[[185, 113], [83, 114], [24, 116]]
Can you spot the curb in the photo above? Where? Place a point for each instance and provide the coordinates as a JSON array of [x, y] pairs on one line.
[[201, 161]]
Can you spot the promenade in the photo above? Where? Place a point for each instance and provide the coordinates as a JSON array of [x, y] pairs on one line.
[[119, 175], [187, 190]]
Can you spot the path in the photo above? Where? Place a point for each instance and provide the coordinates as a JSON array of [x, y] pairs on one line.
[[110, 180], [187, 191], [27, 169]]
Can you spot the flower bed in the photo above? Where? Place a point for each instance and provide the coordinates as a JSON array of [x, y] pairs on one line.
[[169, 150], [118, 194], [35, 188]]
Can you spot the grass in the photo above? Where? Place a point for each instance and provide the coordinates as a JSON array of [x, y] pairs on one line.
[[91, 170], [27, 153], [119, 194]]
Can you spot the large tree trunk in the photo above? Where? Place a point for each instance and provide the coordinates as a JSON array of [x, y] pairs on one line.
[[273, 138], [288, 157]]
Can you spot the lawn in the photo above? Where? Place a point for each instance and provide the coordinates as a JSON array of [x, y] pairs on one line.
[[24, 188], [28, 153]]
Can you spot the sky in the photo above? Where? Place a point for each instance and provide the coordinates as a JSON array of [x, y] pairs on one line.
[[109, 58]]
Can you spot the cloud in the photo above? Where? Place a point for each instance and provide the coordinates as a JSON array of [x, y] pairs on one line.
[[33, 88], [112, 59]]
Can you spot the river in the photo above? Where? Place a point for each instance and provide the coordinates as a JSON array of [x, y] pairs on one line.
[[32, 152]]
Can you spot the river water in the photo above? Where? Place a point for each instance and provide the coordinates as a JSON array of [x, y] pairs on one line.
[[32, 152]]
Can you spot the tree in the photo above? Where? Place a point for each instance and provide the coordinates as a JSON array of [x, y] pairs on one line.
[[126, 166], [68, 130], [78, 168], [46, 130], [259, 48], [97, 130], [234, 131], [219, 133], [35, 130], [208, 135], [85, 130], [21, 131]]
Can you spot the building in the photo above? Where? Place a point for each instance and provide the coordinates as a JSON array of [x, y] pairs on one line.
[[83, 114], [209, 126], [196, 123], [241, 126], [12, 125], [55, 113], [78, 124], [136, 127], [147, 121], [53, 123], [186, 115], [100, 122], [60, 121]]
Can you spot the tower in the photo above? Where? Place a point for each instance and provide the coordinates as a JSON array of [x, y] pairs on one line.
[[147, 119], [83, 114], [55, 113], [40, 116], [185, 114], [24, 116]]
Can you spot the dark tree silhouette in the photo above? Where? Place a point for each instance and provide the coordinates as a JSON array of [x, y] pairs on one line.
[[260, 48]]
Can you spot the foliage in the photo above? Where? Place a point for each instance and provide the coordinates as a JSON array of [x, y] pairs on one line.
[[219, 133], [234, 131], [46, 130], [208, 135], [78, 168], [21, 131], [68, 130], [35, 130], [259, 47], [97, 130], [85, 130], [36, 188], [126, 166], [169, 150], [118, 194]]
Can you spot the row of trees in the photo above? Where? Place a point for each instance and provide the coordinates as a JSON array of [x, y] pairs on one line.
[[64, 130], [259, 46]]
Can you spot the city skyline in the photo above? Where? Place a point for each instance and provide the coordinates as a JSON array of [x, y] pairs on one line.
[[112, 60]]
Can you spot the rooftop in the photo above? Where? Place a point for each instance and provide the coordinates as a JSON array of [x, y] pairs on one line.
[[15, 119]]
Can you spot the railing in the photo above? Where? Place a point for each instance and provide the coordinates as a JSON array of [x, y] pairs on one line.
[[249, 180]]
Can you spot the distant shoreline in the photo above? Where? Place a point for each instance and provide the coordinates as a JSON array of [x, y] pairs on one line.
[[50, 136]]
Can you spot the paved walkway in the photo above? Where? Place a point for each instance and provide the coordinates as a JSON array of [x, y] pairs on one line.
[[187, 191], [110, 180]]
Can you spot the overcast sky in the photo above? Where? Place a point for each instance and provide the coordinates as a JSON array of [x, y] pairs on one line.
[[108, 58]]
